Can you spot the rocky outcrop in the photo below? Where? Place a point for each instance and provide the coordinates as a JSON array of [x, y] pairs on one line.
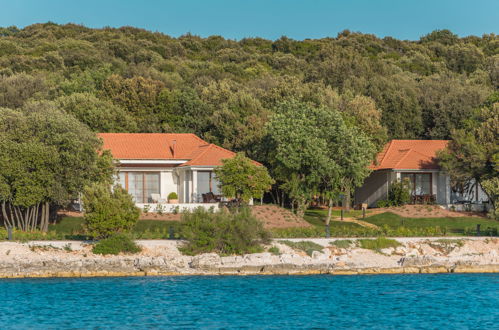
[[416, 255]]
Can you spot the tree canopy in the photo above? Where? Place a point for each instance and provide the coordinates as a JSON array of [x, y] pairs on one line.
[[316, 150], [46, 156]]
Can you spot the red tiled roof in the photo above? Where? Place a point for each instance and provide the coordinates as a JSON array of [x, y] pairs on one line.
[[160, 146], [409, 155]]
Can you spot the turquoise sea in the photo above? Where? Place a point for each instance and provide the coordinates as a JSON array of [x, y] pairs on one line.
[[443, 301]]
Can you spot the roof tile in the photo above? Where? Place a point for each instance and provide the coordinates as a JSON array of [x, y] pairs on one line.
[[409, 155]]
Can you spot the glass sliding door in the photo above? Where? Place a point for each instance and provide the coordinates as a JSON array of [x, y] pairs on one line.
[[141, 185], [151, 186], [207, 183], [420, 183]]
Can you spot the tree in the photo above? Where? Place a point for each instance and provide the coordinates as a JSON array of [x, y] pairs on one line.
[[46, 157], [241, 178], [315, 150], [473, 153], [108, 211]]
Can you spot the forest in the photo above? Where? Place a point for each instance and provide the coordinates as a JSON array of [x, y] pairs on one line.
[[226, 91]]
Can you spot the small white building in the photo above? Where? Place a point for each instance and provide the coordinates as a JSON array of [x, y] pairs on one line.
[[416, 160], [153, 165]]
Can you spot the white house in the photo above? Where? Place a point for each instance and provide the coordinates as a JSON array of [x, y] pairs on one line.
[[416, 160], [153, 165]]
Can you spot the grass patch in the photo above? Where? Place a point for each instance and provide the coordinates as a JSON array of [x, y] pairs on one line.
[[342, 243], [454, 226], [378, 243], [305, 246], [274, 250]]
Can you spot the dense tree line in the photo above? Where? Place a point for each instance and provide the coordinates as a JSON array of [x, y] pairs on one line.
[[228, 92]]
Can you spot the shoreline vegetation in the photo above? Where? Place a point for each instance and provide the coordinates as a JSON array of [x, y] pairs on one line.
[[281, 257]]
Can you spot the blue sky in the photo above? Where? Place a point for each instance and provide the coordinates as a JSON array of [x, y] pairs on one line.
[[236, 19]]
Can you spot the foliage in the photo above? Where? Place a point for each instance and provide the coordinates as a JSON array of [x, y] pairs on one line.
[[400, 192], [305, 246], [449, 226], [172, 195], [108, 211], [46, 157], [116, 244], [473, 154], [316, 150], [241, 178], [378, 243], [222, 232]]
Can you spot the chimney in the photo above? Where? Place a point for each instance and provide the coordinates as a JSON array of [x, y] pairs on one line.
[[174, 142]]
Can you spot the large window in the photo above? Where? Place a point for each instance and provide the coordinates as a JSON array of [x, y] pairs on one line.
[[141, 185], [420, 183]]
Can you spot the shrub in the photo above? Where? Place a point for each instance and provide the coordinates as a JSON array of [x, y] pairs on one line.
[[119, 243], [400, 192], [305, 246], [172, 195], [222, 232], [108, 211], [378, 243]]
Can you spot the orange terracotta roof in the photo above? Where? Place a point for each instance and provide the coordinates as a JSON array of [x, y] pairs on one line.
[[409, 155], [160, 146]]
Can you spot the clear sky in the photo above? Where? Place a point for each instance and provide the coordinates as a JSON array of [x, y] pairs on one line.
[[236, 19]]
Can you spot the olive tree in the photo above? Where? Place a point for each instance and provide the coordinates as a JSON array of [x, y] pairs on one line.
[[243, 179], [46, 158], [318, 151]]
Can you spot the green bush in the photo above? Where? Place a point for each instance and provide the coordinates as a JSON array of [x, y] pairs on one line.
[[305, 246], [378, 243], [108, 211], [172, 195], [400, 192], [119, 243], [222, 232]]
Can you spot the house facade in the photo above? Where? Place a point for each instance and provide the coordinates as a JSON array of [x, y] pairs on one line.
[[416, 160], [153, 165]]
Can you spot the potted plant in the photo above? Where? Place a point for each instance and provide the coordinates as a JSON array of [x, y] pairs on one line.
[[173, 198]]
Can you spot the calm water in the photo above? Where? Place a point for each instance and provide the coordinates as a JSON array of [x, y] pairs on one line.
[[384, 301]]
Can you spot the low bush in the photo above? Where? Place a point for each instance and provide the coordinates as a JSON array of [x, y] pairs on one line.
[[305, 246], [378, 243], [342, 243], [172, 195], [222, 232], [119, 243]]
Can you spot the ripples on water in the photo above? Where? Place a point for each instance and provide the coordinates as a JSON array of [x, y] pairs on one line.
[[383, 301]]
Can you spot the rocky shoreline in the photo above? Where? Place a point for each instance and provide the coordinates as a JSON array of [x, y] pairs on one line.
[[162, 257]]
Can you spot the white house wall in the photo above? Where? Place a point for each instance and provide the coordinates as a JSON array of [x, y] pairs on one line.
[[375, 188]]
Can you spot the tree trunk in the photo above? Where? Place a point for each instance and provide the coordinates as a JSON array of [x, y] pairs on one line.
[[6, 218], [347, 198], [329, 211]]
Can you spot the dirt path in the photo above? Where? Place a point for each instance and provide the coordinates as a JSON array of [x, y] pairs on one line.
[[359, 222]]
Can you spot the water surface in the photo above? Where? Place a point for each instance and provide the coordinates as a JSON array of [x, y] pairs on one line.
[[440, 301]]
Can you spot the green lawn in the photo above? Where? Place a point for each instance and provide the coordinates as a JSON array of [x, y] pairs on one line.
[[317, 217], [453, 225]]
